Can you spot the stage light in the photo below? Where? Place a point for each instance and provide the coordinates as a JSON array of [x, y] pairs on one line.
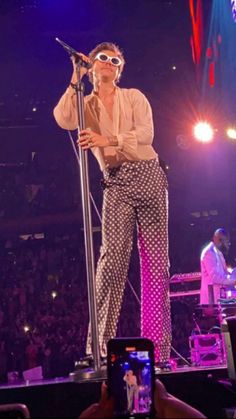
[[231, 133], [54, 294], [26, 328], [203, 132]]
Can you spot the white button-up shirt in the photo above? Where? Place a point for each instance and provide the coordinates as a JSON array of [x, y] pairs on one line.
[[132, 124], [214, 274]]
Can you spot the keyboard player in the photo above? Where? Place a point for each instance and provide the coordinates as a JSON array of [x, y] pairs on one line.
[[216, 278]]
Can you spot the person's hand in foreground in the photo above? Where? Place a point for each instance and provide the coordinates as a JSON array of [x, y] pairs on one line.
[[103, 409], [169, 407]]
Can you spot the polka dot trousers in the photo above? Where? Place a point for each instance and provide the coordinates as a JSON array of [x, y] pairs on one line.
[[135, 194]]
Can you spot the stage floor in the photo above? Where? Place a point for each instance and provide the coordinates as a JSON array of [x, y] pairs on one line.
[[219, 369], [205, 388]]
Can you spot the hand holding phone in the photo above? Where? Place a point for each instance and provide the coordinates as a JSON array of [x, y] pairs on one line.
[[130, 373]]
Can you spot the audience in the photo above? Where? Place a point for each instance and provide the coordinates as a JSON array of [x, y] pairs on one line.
[[43, 305], [34, 189]]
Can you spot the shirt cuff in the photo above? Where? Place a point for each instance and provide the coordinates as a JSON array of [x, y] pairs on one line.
[[120, 141]]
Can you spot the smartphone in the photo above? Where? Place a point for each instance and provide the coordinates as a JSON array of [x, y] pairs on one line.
[[130, 375]]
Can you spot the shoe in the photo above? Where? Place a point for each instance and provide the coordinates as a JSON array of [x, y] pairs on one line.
[[88, 362], [84, 362]]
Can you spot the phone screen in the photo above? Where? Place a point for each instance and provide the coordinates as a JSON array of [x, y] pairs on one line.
[[130, 375]]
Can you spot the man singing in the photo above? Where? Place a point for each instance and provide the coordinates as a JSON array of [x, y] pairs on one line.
[[119, 132]]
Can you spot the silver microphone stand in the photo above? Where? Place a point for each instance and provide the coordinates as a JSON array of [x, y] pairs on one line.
[[82, 159]]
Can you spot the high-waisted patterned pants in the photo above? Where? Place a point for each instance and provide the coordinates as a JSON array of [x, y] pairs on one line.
[[135, 194]]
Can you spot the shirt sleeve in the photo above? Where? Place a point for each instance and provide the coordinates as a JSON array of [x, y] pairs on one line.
[[214, 271], [65, 111], [142, 131]]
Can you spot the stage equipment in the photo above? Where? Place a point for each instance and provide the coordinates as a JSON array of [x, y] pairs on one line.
[[184, 298], [228, 307], [33, 374], [206, 350], [77, 56], [228, 328], [185, 284], [207, 316], [192, 323], [82, 159]]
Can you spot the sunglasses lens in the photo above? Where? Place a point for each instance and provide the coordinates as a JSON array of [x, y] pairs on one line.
[[115, 61], [103, 57]]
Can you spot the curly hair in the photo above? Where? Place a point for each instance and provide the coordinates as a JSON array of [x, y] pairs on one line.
[[109, 46]]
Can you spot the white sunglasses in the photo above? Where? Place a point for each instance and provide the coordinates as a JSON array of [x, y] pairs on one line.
[[104, 58]]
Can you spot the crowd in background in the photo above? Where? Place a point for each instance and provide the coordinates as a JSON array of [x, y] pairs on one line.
[[34, 188], [43, 305]]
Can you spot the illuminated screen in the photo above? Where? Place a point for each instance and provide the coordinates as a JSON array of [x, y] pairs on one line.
[[131, 382]]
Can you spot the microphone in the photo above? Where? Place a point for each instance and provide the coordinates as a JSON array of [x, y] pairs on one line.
[[72, 52]]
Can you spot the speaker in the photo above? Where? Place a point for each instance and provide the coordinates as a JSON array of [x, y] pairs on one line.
[[228, 328], [182, 309]]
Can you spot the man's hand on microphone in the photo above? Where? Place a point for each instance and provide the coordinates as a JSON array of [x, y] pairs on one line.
[[83, 70]]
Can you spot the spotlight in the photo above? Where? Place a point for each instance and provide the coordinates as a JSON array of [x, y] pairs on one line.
[[231, 133], [54, 294], [26, 328], [203, 132]]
